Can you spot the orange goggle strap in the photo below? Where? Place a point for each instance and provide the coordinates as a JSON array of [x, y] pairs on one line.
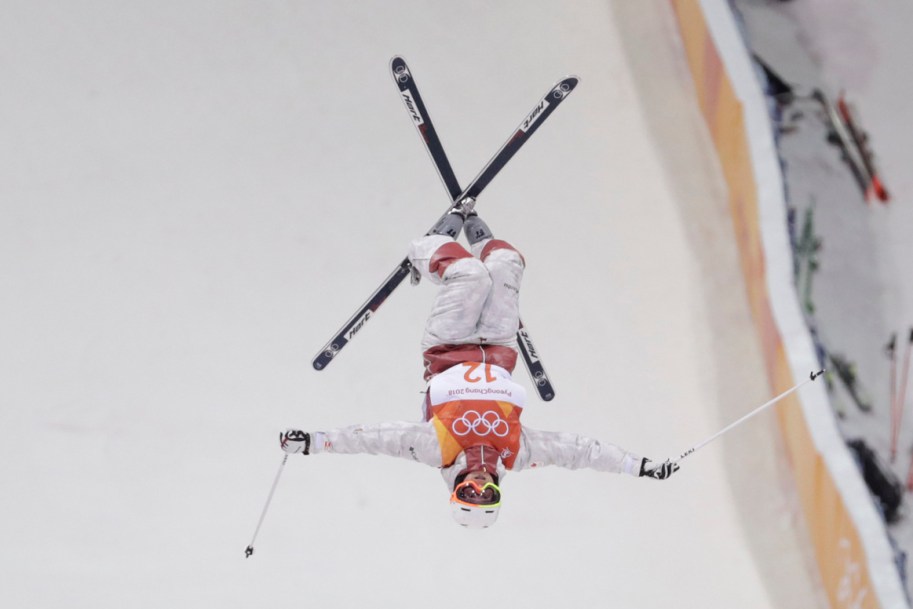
[[479, 489]]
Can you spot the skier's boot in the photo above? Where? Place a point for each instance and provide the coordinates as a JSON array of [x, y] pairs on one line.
[[452, 222], [476, 229], [449, 225]]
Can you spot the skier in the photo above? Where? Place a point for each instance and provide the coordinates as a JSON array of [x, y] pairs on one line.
[[471, 426]]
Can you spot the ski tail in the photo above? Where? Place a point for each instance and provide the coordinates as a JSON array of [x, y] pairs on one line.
[[534, 365], [364, 314]]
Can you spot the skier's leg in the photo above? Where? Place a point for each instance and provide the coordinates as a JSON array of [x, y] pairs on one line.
[[500, 317], [430, 253], [446, 230], [464, 289]]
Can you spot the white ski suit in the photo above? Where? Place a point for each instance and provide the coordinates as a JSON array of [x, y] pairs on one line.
[[454, 437], [472, 406], [476, 313]]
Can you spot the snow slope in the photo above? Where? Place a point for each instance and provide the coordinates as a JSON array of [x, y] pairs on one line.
[[862, 292], [196, 194]]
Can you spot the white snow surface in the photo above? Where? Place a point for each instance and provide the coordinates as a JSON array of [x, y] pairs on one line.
[[196, 194]]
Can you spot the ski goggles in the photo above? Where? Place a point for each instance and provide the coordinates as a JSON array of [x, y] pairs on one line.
[[471, 492]]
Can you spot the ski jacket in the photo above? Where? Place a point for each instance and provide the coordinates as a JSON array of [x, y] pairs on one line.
[[472, 417]]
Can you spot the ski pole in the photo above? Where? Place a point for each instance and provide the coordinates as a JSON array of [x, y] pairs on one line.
[[811, 377], [901, 396], [269, 498], [889, 351]]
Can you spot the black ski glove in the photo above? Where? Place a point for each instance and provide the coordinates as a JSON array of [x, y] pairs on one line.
[[658, 471], [295, 441]]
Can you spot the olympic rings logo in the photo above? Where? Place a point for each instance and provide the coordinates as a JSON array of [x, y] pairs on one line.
[[480, 424]]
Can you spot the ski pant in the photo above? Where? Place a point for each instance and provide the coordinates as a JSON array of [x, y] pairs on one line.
[[479, 297]]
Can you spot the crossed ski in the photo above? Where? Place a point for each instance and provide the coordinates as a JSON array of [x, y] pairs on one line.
[[416, 108]]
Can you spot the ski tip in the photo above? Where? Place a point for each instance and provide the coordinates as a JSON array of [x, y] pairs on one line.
[[562, 88], [400, 71]]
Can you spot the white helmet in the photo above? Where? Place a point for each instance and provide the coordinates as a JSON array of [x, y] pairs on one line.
[[475, 506]]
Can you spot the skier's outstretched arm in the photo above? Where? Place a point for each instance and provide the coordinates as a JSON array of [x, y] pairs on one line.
[[415, 441], [573, 451]]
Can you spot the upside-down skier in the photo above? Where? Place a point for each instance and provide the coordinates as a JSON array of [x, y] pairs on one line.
[[471, 426]]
